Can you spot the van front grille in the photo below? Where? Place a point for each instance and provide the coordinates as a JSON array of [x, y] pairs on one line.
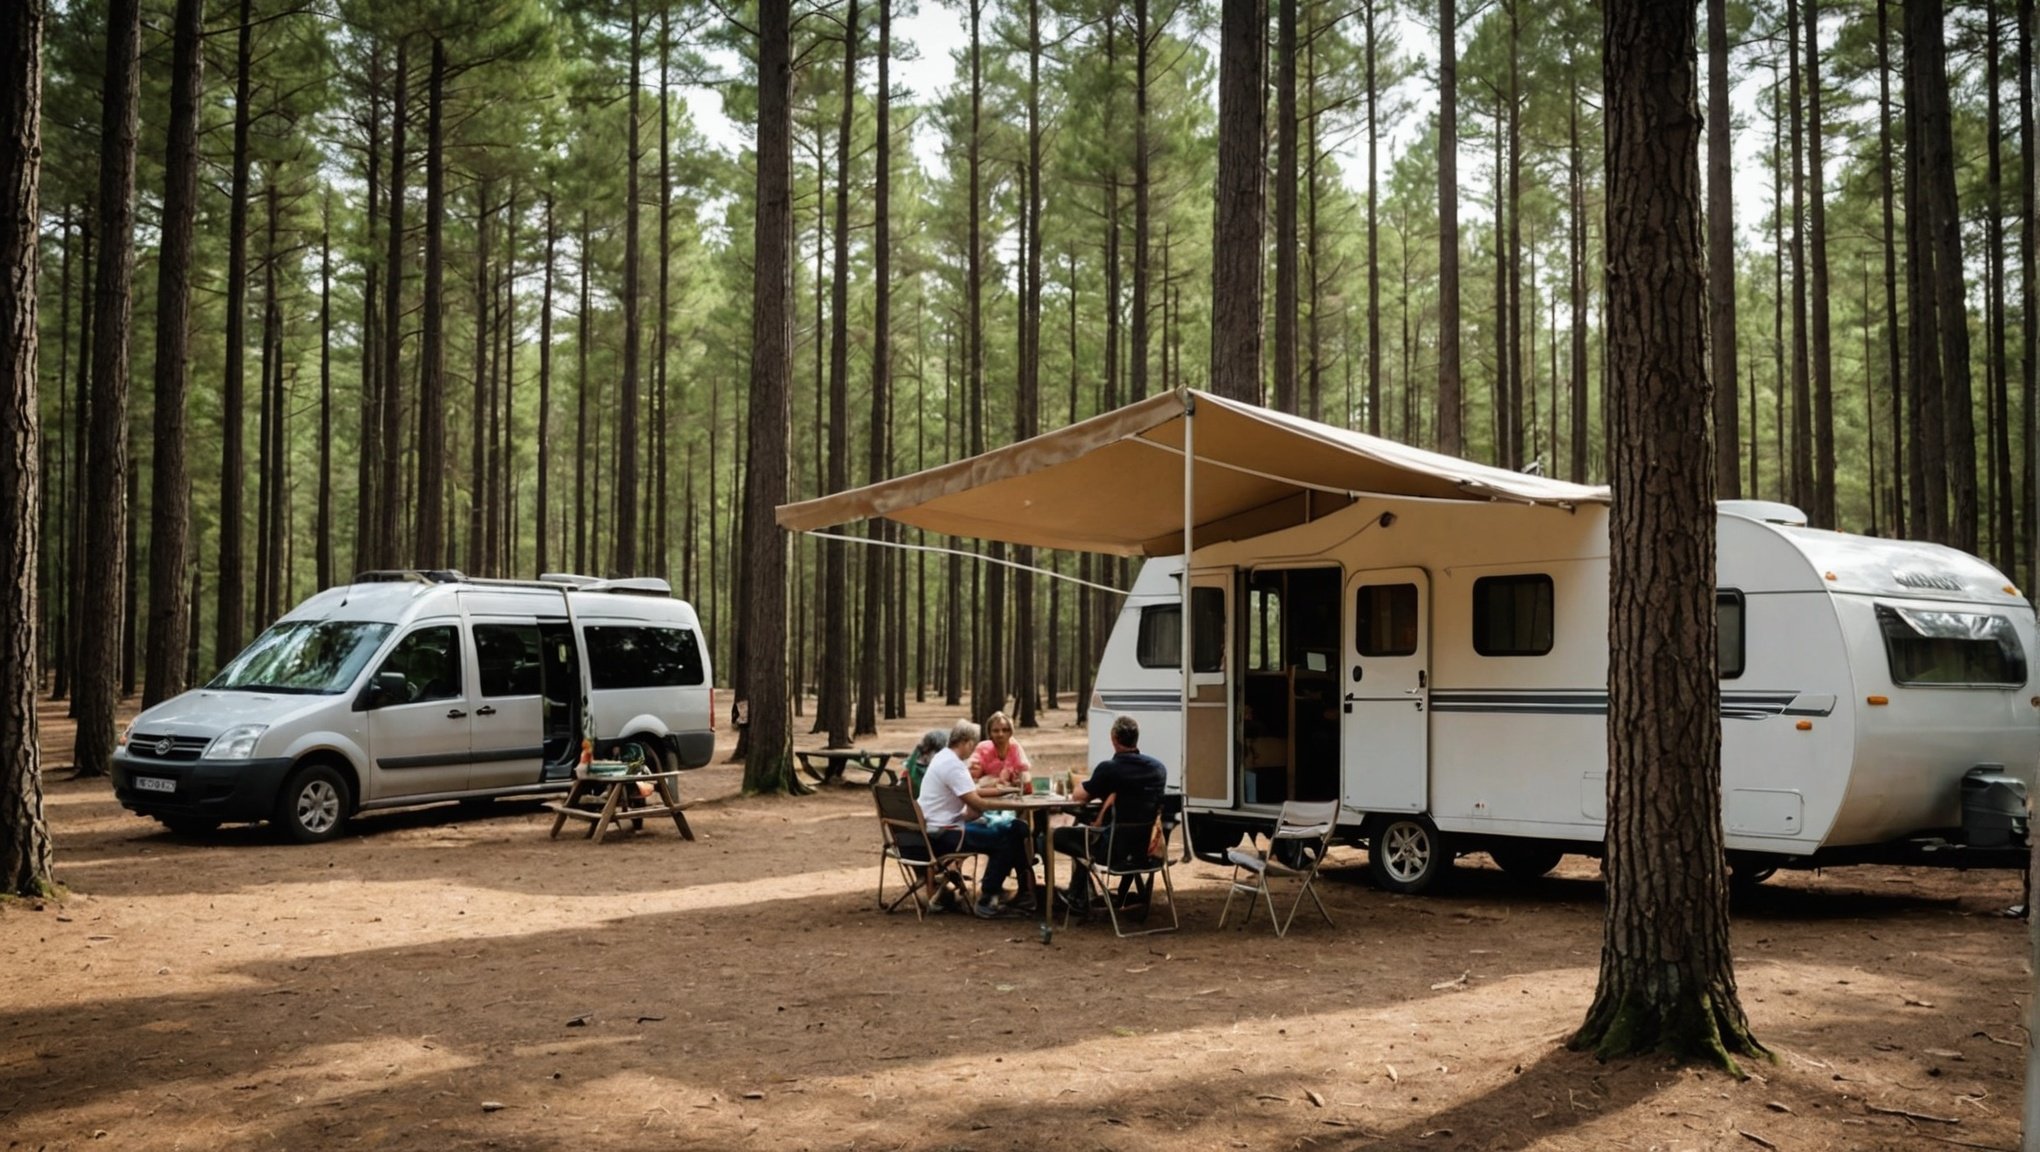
[[184, 749]]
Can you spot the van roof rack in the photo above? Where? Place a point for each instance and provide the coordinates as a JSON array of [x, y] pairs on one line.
[[402, 575], [628, 585]]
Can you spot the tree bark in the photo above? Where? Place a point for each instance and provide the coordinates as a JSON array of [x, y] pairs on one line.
[[1666, 979], [322, 532], [1451, 439], [875, 579], [768, 766], [1893, 369], [388, 552], [232, 590], [25, 857], [479, 421], [626, 528], [2004, 544], [835, 704], [1926, 402], [366, 475], [1802, 367], [1238, 215], [434, 538], [113, 291], [1286, 238], [1577, 235], [1027, 405], [2029, 310], [1721, 334], [170, 480], [581, 388], [542, 508], [1374, 237]]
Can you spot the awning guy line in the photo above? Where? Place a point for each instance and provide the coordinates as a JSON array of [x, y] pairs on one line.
[[979, 557]]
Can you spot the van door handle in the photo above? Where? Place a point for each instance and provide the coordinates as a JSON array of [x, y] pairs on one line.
[[454, 713], [486, 710]]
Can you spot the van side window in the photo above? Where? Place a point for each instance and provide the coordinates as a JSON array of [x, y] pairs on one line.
[[1385, 620], [1728, 625], [1955, 649], [507, 659], [1512, 615], [429, 658], [1160, 644], [621, 656]]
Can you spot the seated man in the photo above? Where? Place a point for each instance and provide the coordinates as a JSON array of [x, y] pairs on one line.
[[950, 800], [1138, 782]]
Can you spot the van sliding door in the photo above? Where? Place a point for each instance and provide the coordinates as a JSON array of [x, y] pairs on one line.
[[509, 716]]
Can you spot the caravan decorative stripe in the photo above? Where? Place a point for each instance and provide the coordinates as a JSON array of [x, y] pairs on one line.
[[1588, 702], [1142, 701]]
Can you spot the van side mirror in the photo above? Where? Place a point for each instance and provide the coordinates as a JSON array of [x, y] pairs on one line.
[[388, 688]]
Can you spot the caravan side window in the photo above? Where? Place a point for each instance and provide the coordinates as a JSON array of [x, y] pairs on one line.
[[1954, 649], [1512, 615], [642, 657], [1728, 625], [1160, 644]]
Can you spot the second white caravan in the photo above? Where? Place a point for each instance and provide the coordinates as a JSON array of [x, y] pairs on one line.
[[1440, 668]]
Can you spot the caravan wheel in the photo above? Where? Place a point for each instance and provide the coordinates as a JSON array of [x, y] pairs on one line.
[[1407, 854]]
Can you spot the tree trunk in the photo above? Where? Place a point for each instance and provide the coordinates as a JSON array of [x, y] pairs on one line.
[[322, 532], [1238, 216], [477, 562], [1937, 169], [876, 582], [835, 705], [1517, 371], [2004, 545], [105, 543], [1894, 372], [74, 543], [268, 536], [1823, 413], [1374, 238], [626, 527], [1577, 235], [25, 858], [388, 553], [232, 604], [365, 478], [1666, 980], [768, 767], [170, 481], [542, 506], [2029, 310], [1721, 335], [434, 536], [1451, 439], [662, 354], [581, 388], [1925, 400], [1027, 405], [1286, 238], [1802, 369]]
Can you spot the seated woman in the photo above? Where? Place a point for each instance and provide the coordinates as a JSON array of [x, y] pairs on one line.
[[932, 742], [1000, 758]]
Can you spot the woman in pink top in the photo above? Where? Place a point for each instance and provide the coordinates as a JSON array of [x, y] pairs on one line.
[[1000, 757]]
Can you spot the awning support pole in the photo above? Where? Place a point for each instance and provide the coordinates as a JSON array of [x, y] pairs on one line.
[[1189, 632]]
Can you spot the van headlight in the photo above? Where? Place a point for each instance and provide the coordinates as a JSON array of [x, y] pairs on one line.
[[127, 734], [235, 743]]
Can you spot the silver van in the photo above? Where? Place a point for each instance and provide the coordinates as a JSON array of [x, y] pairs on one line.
[[412, 687]]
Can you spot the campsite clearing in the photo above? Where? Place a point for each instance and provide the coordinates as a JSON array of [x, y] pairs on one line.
[[452, 979]]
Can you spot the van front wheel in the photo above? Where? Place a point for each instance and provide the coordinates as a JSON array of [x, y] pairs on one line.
[[314, 805], [1407, 854]]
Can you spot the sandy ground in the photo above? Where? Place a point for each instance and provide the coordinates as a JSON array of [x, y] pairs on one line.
[[438, 980]]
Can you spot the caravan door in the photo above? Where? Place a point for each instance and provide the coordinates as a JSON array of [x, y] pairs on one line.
[[1207, 715], [1387, 722]]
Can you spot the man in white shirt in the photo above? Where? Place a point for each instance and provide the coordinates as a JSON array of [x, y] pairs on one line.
[[950, 800]]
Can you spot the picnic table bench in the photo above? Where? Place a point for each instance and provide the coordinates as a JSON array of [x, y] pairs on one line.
[[826, 764], [621, 799]]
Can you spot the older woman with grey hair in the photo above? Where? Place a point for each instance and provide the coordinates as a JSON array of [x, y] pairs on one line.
[[932, 742]]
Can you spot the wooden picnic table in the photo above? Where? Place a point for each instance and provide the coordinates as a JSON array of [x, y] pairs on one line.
[[621, 800], [826, 764]]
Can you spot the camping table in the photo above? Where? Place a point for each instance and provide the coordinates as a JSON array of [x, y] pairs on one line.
[[833, 761], [1041, 807], [621, 801]]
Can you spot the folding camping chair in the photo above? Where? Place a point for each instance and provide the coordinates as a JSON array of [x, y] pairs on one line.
[[1294, 849], [1123, 862], [904, 844]]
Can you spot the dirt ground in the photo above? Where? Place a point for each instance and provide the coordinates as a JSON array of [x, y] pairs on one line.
[[441, 981]]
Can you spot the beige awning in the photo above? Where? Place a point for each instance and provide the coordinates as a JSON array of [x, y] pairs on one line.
[[1114, 483]]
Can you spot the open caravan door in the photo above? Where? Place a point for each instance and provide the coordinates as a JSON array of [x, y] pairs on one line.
[[1207, 712]]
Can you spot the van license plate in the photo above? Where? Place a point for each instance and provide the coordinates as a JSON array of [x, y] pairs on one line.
[[155, 784]]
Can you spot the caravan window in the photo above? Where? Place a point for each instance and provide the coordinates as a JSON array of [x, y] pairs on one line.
[[1512, 615], [629, 657], [1161, 632], [1385, 620], [1968, 649], [1728, 625]]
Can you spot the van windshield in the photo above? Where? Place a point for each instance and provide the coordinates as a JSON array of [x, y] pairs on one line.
[[303, 657]]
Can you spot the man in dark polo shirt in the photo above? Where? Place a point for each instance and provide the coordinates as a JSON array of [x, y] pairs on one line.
[[1137, 781]]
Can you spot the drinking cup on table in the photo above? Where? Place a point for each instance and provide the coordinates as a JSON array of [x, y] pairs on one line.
[[1038, 785]]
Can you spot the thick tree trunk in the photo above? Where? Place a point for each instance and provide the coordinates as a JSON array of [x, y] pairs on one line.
[[1721, 334], [105, 543], [1286, 238], [1926, 58], [477, 561], [1238, 216], [1027, 405], [2003, 541], [1802, 367], [626, 527], [581, 390], [322, 532], [542, 506], [768, 766], [1518, 372], [388, 552], [231, 593], [1666, 981], [366, 477], [170, 480], [1823, 414], [1450, 437], [1926, 402], [1577, 235], [25, 858], [2029, 310], [662, 556], [1374, 240], [1894, 371], [434, 537]]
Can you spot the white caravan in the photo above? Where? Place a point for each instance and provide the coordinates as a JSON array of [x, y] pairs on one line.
[[409, 687], [1441, 669], [1425, 639]]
